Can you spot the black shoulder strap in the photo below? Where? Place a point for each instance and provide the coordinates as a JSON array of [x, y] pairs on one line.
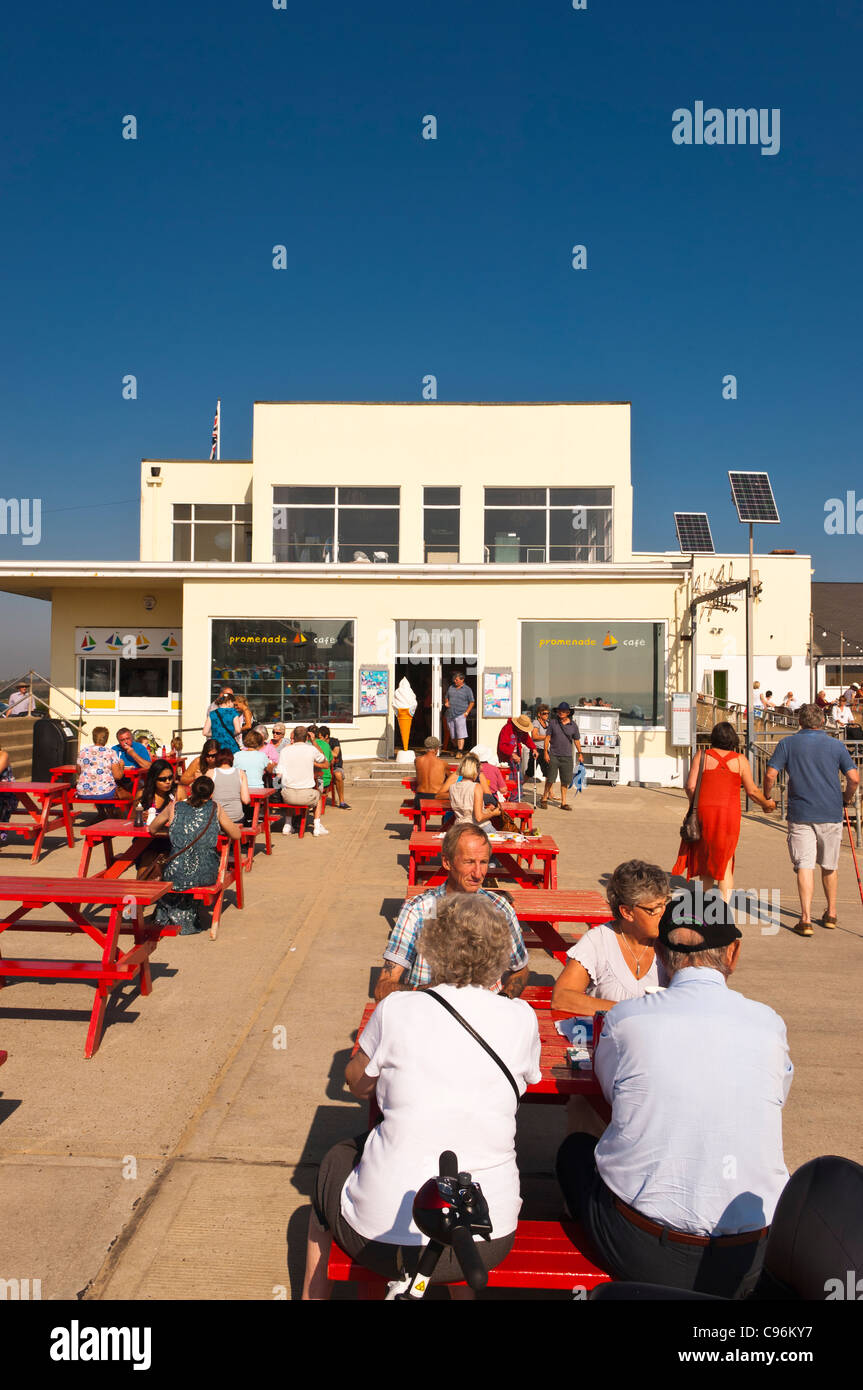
[[482, 1042]]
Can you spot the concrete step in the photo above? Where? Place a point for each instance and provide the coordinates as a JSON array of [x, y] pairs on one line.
[[383, 772]]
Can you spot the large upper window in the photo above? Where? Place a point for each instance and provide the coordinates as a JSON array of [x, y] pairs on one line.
[[538, 525], [441, 525], [212, 531], [329, 525], [620, 663], [296, 669]]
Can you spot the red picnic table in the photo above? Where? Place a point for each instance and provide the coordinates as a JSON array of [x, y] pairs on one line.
[[65, 772], [541, 910], [506, 851], [504, 769], [538, 909], [104, 832], [558, 1083], [47, 804], [422, 814], [71, 895]]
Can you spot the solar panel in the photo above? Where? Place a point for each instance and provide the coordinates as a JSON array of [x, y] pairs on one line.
[[753, 497], [693, 533]]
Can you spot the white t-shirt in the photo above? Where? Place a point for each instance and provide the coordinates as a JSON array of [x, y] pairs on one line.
[[843, 716], [602, 954], [439, 1090], [296, 766]]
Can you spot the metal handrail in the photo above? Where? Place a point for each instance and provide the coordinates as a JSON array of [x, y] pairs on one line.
[[51, 686]]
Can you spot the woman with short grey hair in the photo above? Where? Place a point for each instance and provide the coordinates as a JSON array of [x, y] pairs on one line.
[[615, 961], [437, 1089]]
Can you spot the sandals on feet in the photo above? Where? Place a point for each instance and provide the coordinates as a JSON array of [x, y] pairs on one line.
[[805, 929], [828, 921]]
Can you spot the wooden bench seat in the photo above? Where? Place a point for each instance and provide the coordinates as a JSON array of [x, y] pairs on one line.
[[545, 1255]]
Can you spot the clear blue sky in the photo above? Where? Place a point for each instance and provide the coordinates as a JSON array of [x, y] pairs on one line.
[[302, 126]]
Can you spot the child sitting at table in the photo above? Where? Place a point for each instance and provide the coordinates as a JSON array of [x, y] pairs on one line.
[[253, 760]]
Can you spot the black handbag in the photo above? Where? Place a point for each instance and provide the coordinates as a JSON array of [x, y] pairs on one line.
[[690, 830]]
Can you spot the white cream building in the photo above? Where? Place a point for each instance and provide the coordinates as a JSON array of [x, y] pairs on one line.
[[364, 543]]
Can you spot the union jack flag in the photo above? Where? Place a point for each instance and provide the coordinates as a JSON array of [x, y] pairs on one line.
[[215, 434]]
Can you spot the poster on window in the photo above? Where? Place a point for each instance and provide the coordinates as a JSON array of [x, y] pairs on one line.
[[497, 693], [374, 690]]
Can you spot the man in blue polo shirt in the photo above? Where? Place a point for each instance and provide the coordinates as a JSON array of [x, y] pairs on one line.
[[813, 761]]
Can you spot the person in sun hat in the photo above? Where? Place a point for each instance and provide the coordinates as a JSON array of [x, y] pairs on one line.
[[682, 1186], [20, 702], [515, 743]]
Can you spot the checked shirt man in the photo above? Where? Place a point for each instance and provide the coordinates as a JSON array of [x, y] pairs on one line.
[[465, 855]]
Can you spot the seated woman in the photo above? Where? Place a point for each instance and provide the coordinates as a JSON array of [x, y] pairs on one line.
[[615, 961], [100, 772], [437, 1089], [253, 760], [465, 792], [7, 803], [193, 829], [202, 766], [232, 789]]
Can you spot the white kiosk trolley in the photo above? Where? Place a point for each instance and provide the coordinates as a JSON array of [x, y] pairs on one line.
[[600, 742]]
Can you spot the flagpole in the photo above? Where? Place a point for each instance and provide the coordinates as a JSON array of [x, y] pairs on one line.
[[218, 429]]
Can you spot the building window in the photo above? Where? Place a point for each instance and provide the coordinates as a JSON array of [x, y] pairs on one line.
[[296, 669], [212, 531], [146, 683], [538, 525], [329, 525], [620, 663], [441, 518], [843, 675]]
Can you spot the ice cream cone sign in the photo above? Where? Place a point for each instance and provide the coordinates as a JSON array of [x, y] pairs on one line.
[[404, 704]]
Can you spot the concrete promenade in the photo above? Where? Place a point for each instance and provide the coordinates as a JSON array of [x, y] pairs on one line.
[[177, 1163]]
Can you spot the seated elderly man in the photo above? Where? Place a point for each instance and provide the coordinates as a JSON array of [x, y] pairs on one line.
[[682, 1186], [465, 855]]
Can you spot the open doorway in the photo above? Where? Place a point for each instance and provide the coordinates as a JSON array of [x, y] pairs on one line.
[[429, 678], [420, 677], [448, 669]]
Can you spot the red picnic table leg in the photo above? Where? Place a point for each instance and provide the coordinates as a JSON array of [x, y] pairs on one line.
[[109, 960], [238, 871], [43, 825], [549, 878], [268, 839], [249, 854], [412, 868], [67, 816], [86, 852]]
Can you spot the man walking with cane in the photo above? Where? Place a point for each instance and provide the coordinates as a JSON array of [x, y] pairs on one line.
[[813, 761]]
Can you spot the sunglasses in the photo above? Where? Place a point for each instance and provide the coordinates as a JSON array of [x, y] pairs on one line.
[[165, 777]]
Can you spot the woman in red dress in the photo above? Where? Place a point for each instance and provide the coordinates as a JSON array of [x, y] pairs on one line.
[[725, 770]]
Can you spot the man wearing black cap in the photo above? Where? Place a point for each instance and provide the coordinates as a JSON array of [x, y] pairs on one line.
[[681, 1188]]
